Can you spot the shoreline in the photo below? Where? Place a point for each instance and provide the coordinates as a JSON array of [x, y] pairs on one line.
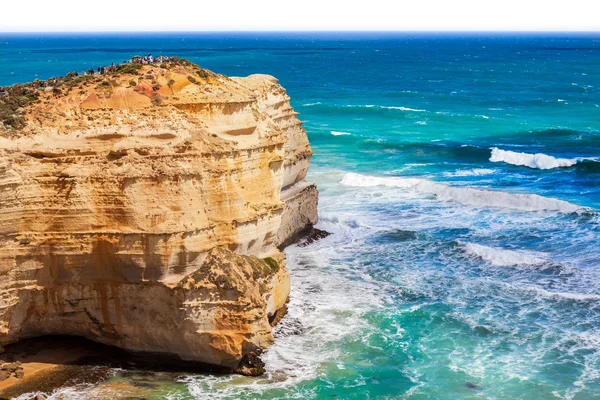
[[50, 362]]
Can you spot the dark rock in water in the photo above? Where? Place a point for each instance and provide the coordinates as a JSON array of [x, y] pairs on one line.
[[278, 315], [288, 327], [305, 237], [312, 236], [471, 385], [251, 364], [144, 384]]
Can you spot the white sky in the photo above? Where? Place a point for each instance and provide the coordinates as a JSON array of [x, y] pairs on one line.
[[306, 15]]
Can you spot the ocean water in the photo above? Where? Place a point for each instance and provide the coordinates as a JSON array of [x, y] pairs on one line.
[[460, 177]]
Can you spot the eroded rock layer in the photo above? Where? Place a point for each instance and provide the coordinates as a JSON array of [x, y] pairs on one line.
[[144, 210]]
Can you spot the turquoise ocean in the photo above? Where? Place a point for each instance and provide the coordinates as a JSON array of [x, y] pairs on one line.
[[460, 178]]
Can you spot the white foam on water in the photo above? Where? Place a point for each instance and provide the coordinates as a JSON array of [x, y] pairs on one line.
[[400, 108], [465, 195], [502, 257], [312, 104], [562, 295], [78, 392], [338, 133], [471, 172], [327, 307], [538, 160]]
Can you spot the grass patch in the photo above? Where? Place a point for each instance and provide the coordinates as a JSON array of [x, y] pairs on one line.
[[272, 263]]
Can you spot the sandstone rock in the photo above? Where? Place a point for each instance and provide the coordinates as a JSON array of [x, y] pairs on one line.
[[4, 375], [149, 217]]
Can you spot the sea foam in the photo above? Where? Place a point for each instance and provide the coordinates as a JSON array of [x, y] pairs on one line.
[[538, 161], [502, 257], [467, 196], [471, 172], [338, 133], [400, 108]]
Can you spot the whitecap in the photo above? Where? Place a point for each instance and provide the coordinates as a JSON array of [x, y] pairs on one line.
[[470, 172], [502, 257], [401, 108], [538, 160], [563, 295], [312, 104], [464, 195], [338, 133]]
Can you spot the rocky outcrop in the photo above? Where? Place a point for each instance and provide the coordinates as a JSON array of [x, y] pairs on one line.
[[145, 210]]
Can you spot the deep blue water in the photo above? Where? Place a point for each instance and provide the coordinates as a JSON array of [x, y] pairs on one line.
[[449, 275]]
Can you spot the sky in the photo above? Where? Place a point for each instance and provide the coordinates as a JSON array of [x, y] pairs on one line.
[[302, 15]]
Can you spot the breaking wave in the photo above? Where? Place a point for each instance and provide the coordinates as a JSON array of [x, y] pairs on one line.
[[537, 161], [470, 172], [502, 257], [467, 196], [338, 133], [400, 108]]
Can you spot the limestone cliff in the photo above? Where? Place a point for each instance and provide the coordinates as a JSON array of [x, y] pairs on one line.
[[144, 209]]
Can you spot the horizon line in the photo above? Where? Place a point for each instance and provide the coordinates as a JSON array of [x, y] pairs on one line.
[[309, 31]]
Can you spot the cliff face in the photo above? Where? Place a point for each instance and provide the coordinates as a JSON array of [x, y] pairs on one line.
[[145, 210]]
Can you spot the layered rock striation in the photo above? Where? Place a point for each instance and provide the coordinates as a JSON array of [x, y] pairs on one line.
[[145, 210]]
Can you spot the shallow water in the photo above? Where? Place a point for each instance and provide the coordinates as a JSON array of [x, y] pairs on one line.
[[448, 275]]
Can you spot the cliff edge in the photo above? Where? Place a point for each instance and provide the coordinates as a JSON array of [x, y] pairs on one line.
[[144, 209]]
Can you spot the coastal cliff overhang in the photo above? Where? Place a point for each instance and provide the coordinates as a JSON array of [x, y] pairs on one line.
[[115, 189]]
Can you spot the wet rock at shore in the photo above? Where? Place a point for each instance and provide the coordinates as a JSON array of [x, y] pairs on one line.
[[251, 364], [312, 236]]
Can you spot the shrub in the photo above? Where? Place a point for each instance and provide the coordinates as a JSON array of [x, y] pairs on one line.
[[191, 79], [11, 106], [56, 91], [202, 73], [132, 82], [128, 68], [170, 83], [272, 263]]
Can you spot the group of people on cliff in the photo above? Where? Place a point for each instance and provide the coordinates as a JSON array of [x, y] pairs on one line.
[[102, 70], [149, 59]]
